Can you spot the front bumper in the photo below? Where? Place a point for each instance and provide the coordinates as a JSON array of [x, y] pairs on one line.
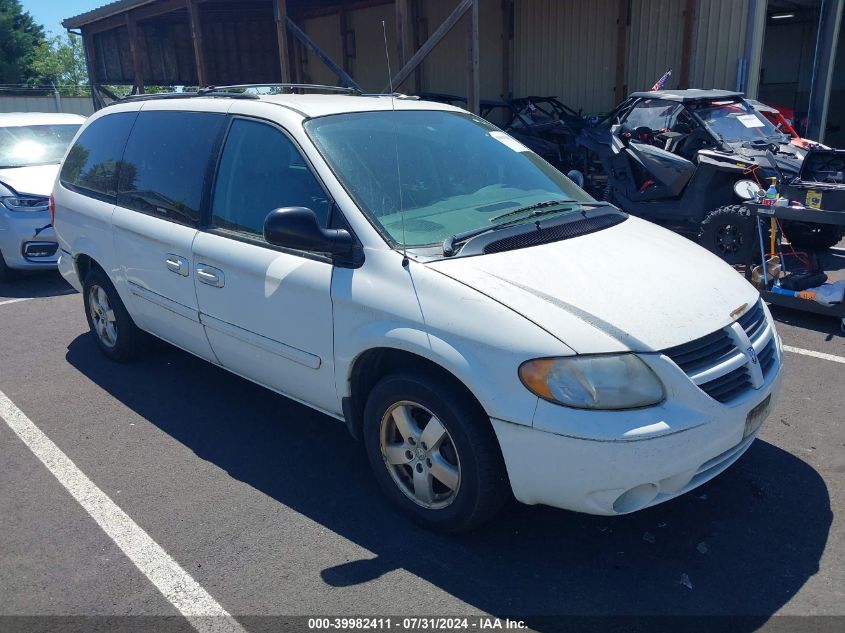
[[652, 454], [23, 245]]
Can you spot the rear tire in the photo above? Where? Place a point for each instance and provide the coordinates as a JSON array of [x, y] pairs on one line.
[[729, 233], [433, 452], [113, 329], [812, 237]]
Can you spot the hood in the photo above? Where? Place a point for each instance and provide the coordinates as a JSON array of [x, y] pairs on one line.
[[634, 286], [36, 180]]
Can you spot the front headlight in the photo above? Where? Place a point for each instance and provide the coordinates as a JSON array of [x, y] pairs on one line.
[[607, 381], [25, 203]]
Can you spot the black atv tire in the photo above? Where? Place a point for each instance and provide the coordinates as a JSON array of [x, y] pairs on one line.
[[813, 237], [729, 233]]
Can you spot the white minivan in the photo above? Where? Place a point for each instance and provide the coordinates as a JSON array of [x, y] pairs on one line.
[[477, 320]]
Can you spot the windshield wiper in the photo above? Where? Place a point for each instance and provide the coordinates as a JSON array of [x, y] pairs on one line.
[[531, 207], [535, 210]]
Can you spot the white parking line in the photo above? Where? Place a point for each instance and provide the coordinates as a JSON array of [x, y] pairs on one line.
[[175, 584], [58, 294], [8, 301], [814, 354]]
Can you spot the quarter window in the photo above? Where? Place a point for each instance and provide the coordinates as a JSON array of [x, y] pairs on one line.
[[92, 164], [165, 166], [262, 170]]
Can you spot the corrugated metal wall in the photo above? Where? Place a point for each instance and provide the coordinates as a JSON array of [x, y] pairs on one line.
[[71, 105], [719, 42], [566, 49], [444, 70], [655, 43], [561, 47], [325, 31]]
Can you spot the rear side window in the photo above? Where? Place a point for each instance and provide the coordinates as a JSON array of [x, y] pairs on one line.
[[166, 163], [261, 170], [92, 164]]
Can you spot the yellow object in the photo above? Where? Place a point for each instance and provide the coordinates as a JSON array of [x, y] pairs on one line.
[[773, 226], [814, 199]]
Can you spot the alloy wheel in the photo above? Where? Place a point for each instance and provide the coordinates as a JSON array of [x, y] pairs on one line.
[[102, 316], [420, 455]]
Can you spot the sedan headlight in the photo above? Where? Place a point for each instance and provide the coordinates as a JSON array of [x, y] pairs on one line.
[[25, 203], [607, 381]]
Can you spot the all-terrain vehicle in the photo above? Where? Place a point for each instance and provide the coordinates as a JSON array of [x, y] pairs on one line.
[[689, 159]]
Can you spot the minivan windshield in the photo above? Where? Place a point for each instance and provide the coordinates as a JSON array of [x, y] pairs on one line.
[[455, 172], [28, 145]]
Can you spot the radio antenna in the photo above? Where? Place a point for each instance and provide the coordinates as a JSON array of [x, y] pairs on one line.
[[395, 145]]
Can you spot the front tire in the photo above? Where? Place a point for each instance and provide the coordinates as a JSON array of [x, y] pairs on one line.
[[114, 330], [433, 452], [729, 233], [812, 237]]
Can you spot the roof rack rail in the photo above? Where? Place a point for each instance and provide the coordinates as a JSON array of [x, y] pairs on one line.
[[186, 95], [231, 91], [289, 86]]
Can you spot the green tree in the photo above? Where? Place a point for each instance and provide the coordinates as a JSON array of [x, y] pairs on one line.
[[61, 61], [20, 36]]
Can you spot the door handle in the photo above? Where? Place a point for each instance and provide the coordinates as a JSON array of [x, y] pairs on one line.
[[176, 264], [210, 275]]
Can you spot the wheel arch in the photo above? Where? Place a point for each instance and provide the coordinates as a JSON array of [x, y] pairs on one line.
[[372, 364]]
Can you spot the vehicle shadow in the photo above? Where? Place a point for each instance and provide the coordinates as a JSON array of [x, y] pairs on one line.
[[35, 285], [809, 321], [742, 545]]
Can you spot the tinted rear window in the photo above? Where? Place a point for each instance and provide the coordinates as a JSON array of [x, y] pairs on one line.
[[92, 164], [166, 163]]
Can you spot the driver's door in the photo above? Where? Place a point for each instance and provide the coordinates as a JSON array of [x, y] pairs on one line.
[[267, 311]]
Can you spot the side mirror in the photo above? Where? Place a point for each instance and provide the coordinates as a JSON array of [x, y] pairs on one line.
[[297, 228]]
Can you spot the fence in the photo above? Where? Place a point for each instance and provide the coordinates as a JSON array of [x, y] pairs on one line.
[[72, 105]]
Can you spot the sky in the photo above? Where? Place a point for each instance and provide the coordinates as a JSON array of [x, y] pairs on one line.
[[50, 13]]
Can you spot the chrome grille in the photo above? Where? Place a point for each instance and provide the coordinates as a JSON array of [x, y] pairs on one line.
[[721, 363]]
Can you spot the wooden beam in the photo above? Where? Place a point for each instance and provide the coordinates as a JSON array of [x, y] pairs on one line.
[[196, 37], [441, 32], [416, 26], [343, 27], [621, 49], [473, 79], [90, 67], [686, 44], [402, 13], [507, 44], [300, 35], [280, 16], [135, 45]]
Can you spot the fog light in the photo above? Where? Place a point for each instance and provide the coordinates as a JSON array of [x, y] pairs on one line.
[[38, 250], [635, 498]]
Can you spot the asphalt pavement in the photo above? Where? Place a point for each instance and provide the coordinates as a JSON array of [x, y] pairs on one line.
[[270, 508]]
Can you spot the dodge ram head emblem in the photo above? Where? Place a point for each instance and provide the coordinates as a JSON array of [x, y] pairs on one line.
[[752, 355]]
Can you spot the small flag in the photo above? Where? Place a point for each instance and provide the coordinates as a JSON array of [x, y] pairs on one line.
[[662, 81]]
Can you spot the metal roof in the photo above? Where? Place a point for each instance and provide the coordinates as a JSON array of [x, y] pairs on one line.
[[693, 94], [104, 11]]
